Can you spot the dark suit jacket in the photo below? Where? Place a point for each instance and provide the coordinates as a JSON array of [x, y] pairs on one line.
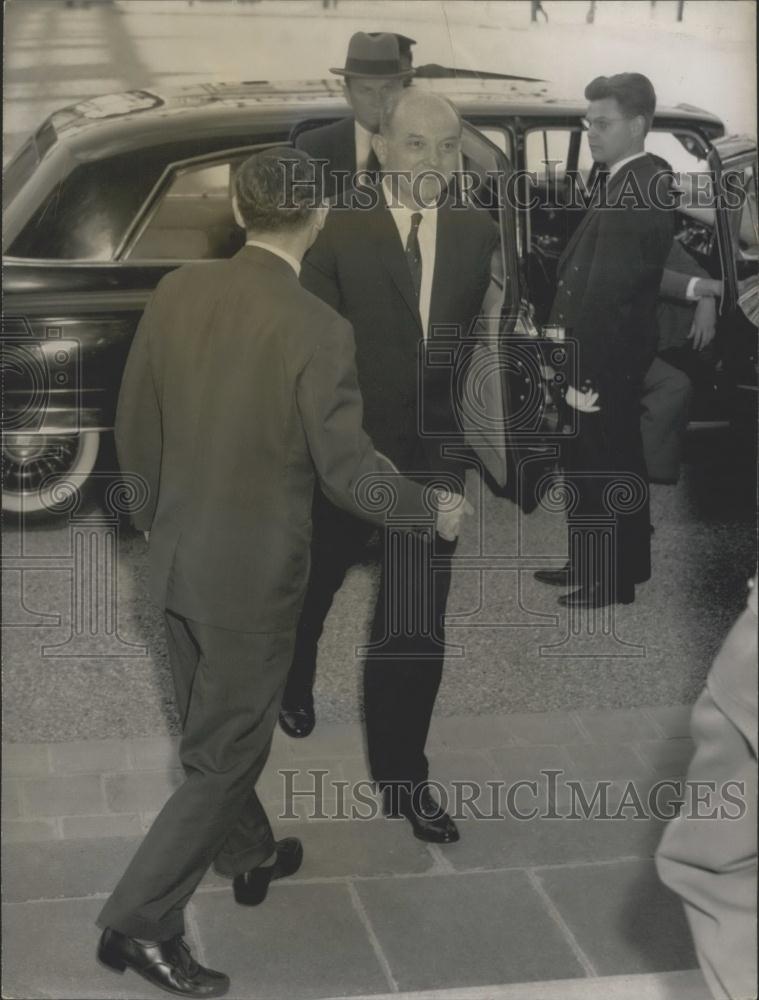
[[358, 266], [609, 277], [241, 386], [335, 143]]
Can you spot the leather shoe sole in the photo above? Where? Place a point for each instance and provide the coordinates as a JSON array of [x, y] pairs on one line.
[[297, 722], [250, 887]]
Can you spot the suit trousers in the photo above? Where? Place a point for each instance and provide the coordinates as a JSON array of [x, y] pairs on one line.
[[228, 689], [610, 523], [339, 541], [667, 393], [404, 659]]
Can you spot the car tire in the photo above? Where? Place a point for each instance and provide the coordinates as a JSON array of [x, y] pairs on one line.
[[56, 458]]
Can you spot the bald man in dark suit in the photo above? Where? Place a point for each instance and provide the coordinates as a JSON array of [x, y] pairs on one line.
[[398, 271]]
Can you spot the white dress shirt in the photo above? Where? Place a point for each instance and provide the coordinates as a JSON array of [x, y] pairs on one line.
[[427, 235], [363, 146], [294, 264]]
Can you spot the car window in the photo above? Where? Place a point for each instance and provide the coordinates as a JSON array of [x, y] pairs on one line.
[[686, 162], [682, 160], [192, 219], [747, 225], [72, 210], [500, 138], [547, 149]]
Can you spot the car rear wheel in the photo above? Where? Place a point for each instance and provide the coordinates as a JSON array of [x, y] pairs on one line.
[[35, 464]]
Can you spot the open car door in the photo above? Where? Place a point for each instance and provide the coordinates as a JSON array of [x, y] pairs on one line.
[[505, 406], [484, 170], [733, 163]]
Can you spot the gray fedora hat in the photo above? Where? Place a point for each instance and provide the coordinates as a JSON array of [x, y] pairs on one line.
[[373, 55]]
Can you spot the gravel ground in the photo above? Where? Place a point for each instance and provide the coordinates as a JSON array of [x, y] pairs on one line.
[[704, 551]]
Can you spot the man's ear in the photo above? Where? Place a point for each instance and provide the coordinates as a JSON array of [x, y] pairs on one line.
[[236, 212], [639, 125], [379, 145]]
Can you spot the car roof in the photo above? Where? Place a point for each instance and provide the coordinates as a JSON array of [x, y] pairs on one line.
[[117, 123]]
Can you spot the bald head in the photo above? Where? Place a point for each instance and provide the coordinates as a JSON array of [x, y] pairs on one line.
[[420, 139], [412, 107]]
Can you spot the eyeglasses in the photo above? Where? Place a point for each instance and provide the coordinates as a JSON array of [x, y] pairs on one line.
[[599, 124]]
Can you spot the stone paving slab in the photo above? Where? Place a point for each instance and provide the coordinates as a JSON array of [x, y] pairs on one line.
[[140, 791], [621, 915], [77, 794], [688, 985], [545, 727], [672, 721], [24, 759], [116, 825], [610, 761], [466, 930], [11, 799], [77, 757], [525, 763], [64, 868], [23, 831], [49, 951], [668, 758], [512, 843], [73, 814], [305, 941], [337, 849], [604, 726]]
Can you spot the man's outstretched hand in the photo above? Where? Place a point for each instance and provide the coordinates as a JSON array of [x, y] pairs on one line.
[[585, 402], [448, 520]]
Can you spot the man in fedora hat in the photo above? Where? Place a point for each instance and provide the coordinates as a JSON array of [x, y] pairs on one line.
[[377, 67]]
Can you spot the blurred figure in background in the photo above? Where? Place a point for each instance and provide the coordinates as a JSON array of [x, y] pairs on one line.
[[711, 863]]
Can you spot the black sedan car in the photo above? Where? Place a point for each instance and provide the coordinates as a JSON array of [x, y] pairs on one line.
[[110, 194]]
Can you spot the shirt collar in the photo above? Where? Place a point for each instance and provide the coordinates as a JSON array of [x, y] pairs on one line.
[[395, 204], [294, 264], [362, 132]]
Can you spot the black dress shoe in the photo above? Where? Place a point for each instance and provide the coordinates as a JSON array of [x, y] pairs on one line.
[[428, 819], [297, 722], [169, 965], [599, 595], [251, 887], [556, 577]]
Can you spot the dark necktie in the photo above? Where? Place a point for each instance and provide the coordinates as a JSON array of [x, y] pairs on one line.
[[414, 254]]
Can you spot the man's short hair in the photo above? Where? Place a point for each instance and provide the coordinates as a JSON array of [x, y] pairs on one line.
[[633, 92], [277, 189]]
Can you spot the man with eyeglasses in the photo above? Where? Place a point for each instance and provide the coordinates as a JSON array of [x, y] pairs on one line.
[[608, 284]]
